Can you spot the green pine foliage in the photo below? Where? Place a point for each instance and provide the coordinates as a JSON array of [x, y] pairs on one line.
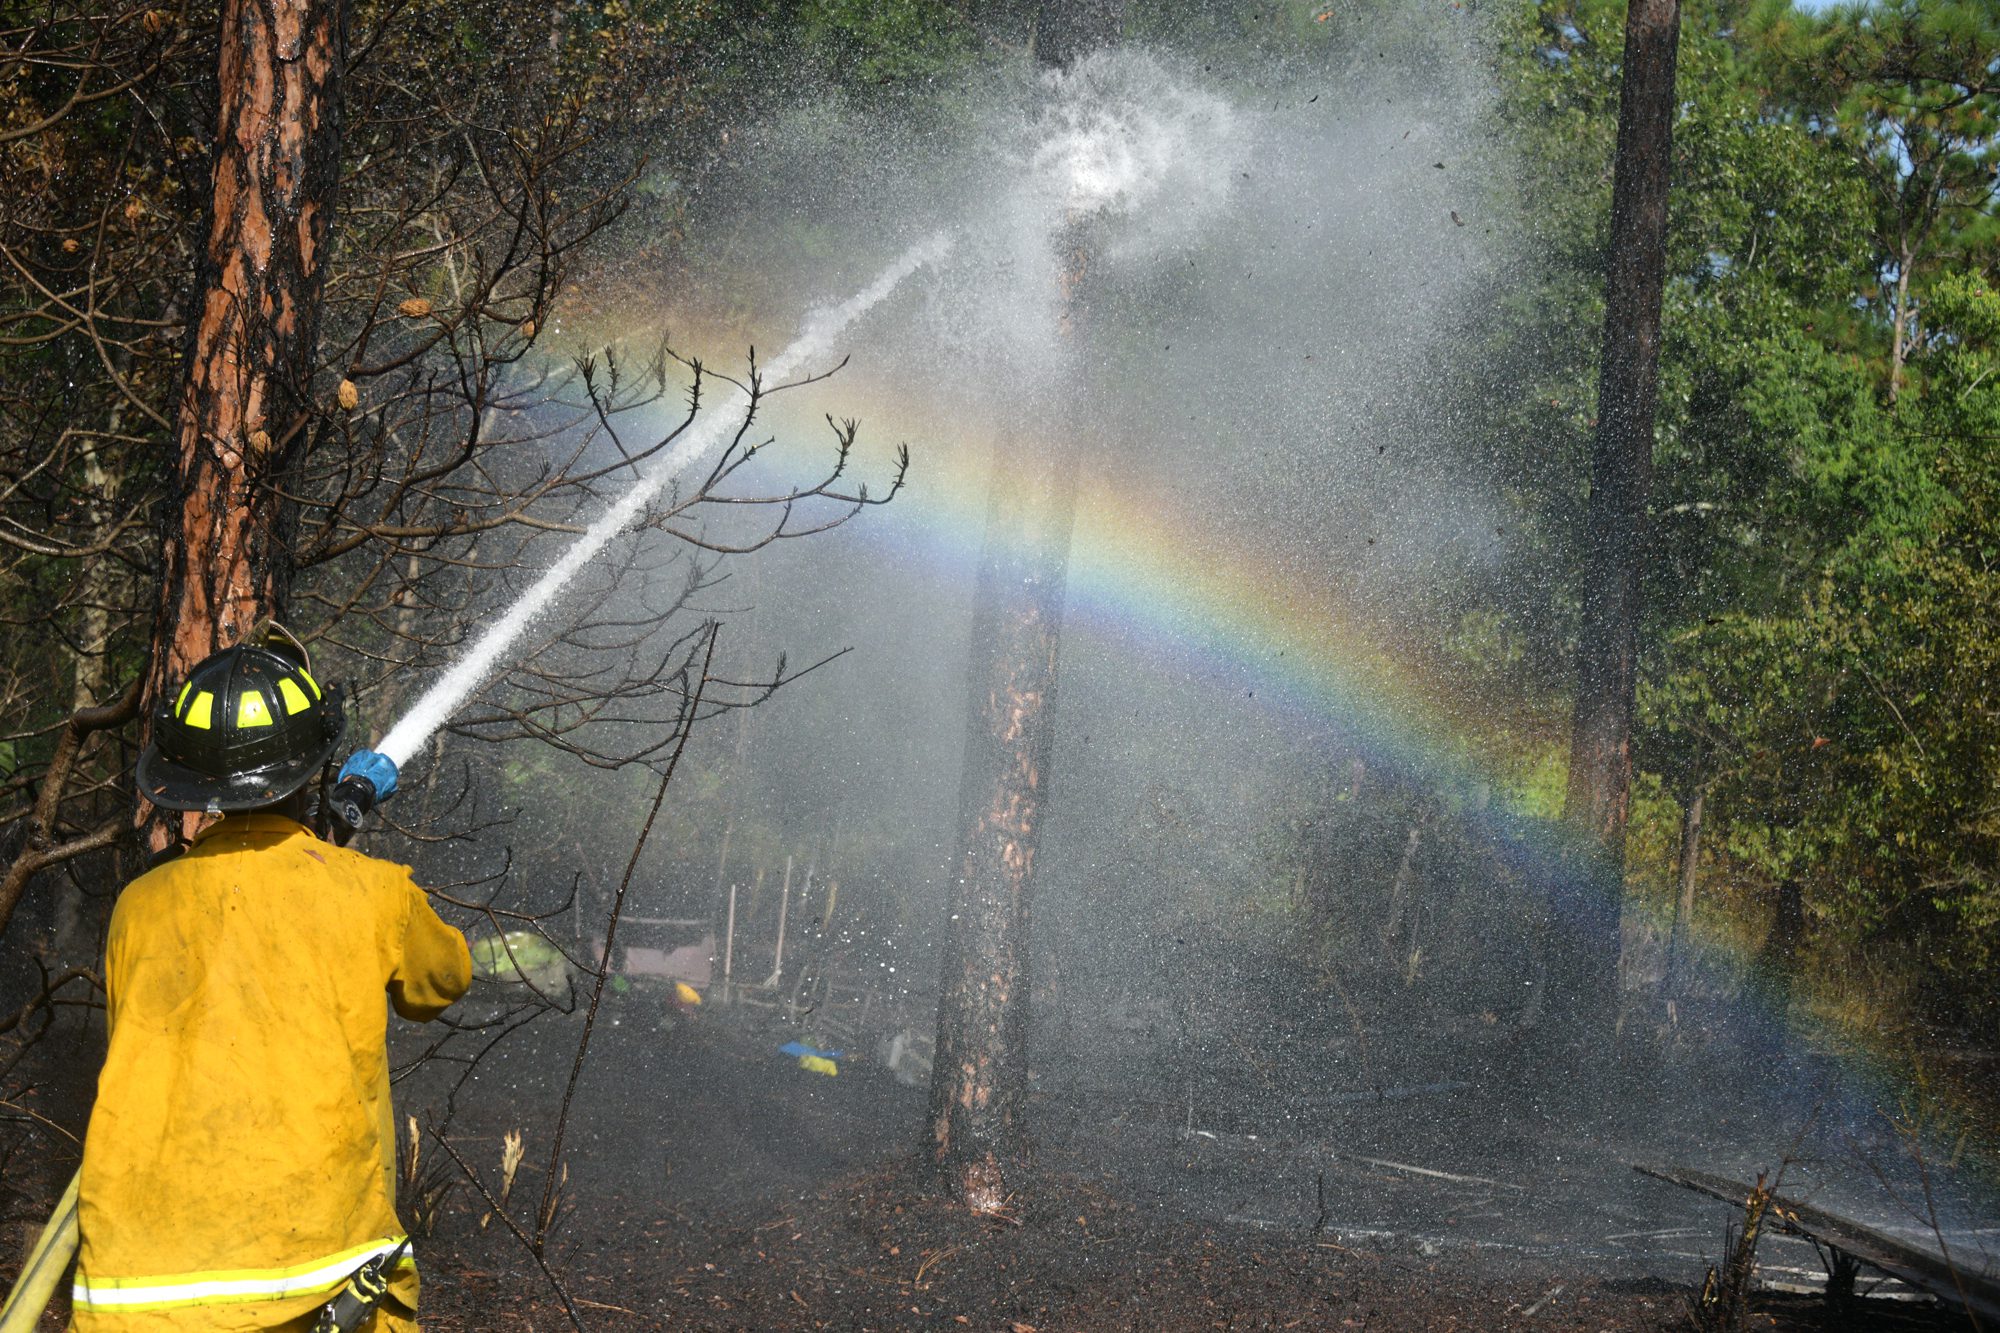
[[1821, 656]]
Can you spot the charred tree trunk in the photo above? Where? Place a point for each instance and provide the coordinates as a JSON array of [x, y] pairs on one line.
[[1778, 959], [979, 1076], [1600, 765], [1395, 921], [253, 343]]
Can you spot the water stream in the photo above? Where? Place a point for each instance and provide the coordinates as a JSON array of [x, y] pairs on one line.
[[436, 705]]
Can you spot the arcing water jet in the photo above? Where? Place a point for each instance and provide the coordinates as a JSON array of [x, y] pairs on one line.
[[470, 672]]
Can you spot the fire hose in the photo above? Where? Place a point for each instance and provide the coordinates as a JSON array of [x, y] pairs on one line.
[[44, 1268]]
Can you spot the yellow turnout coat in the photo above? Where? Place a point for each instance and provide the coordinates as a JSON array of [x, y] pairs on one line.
[[240, 1161]]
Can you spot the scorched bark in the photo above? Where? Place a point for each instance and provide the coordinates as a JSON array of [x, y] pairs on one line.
[[252, 346], [979, 1079]]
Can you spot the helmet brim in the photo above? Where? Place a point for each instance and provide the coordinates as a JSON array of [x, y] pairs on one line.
[[175, 786]]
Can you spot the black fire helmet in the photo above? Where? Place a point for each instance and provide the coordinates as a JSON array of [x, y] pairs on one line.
[[248, 727]]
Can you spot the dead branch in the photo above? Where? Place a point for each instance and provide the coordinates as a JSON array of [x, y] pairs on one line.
[[46, 997], [533, 1247], [41, 851], [545, 1213]]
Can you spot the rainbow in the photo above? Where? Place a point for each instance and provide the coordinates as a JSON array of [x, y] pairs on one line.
[[1177, 584], [1170, 579]]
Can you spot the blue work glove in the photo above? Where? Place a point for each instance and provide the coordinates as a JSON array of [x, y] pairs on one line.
[[373, 767]]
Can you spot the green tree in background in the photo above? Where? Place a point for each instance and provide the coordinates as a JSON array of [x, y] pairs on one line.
[[1856, 716], [1814, 665], [1908, 90]]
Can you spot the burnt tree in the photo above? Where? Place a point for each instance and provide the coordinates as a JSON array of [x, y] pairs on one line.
[[1597, 799], [252, 343], [980, 1073], [979, 1076]]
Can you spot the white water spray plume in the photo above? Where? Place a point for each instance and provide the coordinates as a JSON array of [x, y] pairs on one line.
[[464, 678]]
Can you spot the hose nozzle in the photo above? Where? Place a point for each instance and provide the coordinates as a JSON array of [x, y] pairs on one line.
[[366, 780], [351, 800]]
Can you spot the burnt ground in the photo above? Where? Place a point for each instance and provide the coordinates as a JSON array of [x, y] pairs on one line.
[[715, 1185]]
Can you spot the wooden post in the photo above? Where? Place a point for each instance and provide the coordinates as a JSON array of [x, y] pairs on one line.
[[729, 945], [784, 904], [722, 863]]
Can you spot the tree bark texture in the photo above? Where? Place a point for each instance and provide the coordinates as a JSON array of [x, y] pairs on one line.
[[253, 341], [1784, 946], [1600, 768], [979, 1078], [1899, 326]]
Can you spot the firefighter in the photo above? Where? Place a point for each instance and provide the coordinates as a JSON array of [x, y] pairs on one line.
[[240, 1161]]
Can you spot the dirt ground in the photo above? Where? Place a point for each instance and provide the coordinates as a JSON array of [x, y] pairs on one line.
[[714, 1185], [725, 1189], [870, 1252]]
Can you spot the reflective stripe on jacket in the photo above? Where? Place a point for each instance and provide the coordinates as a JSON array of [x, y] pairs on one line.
[[233, 1286], [240, 1161]]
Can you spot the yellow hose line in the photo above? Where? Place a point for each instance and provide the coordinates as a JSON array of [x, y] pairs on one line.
[[44, 1268]]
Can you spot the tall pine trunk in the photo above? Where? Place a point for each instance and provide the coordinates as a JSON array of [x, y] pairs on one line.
[[1596, 803], [1899, 325], [979, 1077], [242, 416], [1777, 961]]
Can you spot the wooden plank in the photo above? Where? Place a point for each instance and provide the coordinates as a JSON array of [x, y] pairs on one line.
[[1925, 1269]]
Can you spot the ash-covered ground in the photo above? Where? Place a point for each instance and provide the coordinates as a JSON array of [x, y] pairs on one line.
[[713, 1183]]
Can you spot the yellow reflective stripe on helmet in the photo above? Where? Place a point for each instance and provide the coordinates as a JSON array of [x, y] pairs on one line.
[[251, 710], [198, 711], [295, 698], [307, 677], [229, 1286], [182, 697]]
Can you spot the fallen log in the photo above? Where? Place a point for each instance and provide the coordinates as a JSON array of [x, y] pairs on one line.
[[1927, 1270]]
